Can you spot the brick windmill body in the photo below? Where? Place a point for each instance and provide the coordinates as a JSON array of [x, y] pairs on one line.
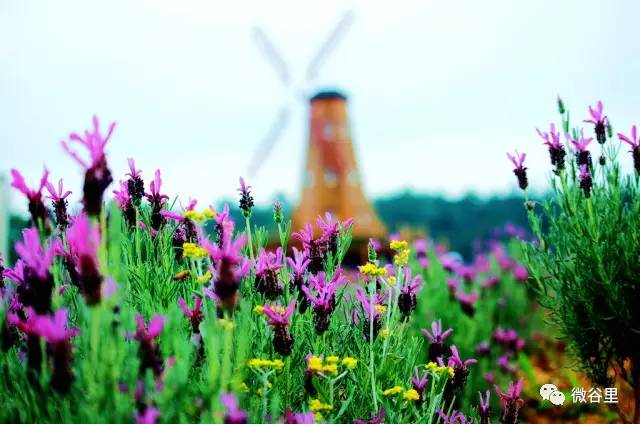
[[331, 180]]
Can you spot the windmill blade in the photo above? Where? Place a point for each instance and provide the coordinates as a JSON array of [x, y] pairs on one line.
[[272, 55], [334, 37], [269, 141]]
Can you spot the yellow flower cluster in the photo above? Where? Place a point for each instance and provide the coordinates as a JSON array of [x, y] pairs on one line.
[[208, 213], [372, 270], [203, 279], [401, 258], [393, 391], [226, 323], [391, 280], [410, 395], [381, 309], [330, 364], [433, 367], [265, 363], [260, 392], [317, 406], [192, 250], [398, 245], [258, 309]]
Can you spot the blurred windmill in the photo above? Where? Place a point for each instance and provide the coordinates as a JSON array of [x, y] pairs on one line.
[[331, 182]]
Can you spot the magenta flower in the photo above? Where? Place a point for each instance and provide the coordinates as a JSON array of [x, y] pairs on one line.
[[84, 240], [519, 170], [279, 321], [490, 281], [511, 402], [59, 200], [37, 282], [460, 367], [125, 202], [374, 419], [482, 349], [421, 246], [520, 273], [298, 418], [407, 298], [556, 149], [150, 357], [229, 266], [436, 339], [583, 156], [484, 408], [135, 184], [634, 142], [453, 285], [466, 272], [195, 315], [157, 201], [586, 182], [467, 302], [246, 200], [454, 418], [268, 266], [505, 366], [371, 310], [502, 257], [600, 121], [315, 249], [323, 300], [331, 228], [234, 414], [149, 416], [36, 206], [419, 383], [97, 174]]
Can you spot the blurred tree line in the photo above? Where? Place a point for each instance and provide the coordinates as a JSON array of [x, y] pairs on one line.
[[461, 223]]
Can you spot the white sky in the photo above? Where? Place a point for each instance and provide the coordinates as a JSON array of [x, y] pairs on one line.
[[439, 90]]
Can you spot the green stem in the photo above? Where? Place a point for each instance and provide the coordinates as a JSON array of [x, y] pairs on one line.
[[372, 290], [247, 221]]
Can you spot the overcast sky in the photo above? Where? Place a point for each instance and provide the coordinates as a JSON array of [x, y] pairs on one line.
[[439, 90]]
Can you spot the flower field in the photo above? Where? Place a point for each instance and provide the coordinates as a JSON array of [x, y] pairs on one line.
[[142, 306]]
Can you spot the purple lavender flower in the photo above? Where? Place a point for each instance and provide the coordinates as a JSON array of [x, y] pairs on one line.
[[126, 204], [279, 322], [186, 230], [84, 240], [484, 408], [374, 419], [135, 184], [37, 208], [436, 339], [59, 200], [419, 383], [505, 366], [453, 284], [371, 310], [502, 257], [268, 266], [149, 416], [298, 418], [490, 281], [298, 265], [583, 156], [314, 248], [54, 330], [586, 181], [520, 273], [331, 230], [420, 246], [26, 324], [246, 200], [511, 402], [407, 298], [234, 414], [467, 302], [454, 417], [150, 356], [460, 367], [97, 174], [519, 170], [229, 267], [37, 282], [157, 201], [482, 349], [600, 122], [556, 149], [195, 315], [634, 142], [323, 300]]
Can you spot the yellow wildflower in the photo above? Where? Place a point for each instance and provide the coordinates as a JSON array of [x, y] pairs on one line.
[[204, 278], [411, 394], [349, 362], [332, 359], [431, 366], [192, 250], [398, 244], [314, 363], [392, 280], [393, 391], [260, 391], [258, 309], [226, 323], [372, 270], [317, 406], [243, 387], [381, 309], [451, 372], [402, 257], [265, 363], [384, 333], [194, 215], [209, 213], [330, 369]]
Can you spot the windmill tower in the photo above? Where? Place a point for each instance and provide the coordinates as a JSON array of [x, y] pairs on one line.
[[331, 181]]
